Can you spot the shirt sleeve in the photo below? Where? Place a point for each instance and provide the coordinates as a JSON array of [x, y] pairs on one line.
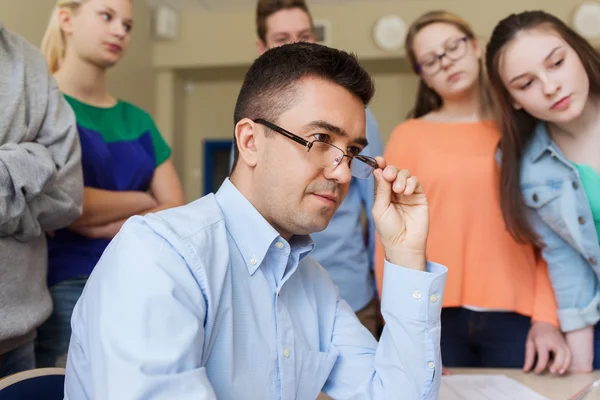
[[574, 282], [544, 303], [41, 182], [162, 151], [153, 346], [407, 359]]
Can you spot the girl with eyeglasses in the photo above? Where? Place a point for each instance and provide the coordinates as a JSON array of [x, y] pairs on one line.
[[546, 79], [499, 309], [127, 167]]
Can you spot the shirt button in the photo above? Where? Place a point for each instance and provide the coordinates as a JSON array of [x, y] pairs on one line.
[[253, 261], [286, 353], [581, 220], [416, 295], [534, 197], [431, 365], [279, 245], [575, 185], [592, 261], [433, 298]]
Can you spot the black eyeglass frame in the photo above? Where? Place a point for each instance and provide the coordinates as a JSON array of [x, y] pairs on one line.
[[439, 57], [369, 161]]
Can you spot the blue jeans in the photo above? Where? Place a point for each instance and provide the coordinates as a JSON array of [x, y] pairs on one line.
[[483, 339], [597, 346], [53, 337], [20, 359]]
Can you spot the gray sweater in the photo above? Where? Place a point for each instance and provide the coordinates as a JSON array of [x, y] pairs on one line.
[[41, 184]]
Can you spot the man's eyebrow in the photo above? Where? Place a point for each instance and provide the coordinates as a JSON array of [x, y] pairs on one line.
[[545, 59], [324, 125]]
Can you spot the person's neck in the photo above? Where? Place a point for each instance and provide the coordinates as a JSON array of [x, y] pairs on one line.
[[464, 108], [587, 124], [84, 81], [242, 180]]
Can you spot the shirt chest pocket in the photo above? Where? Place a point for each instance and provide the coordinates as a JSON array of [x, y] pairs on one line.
[[315, 369], [547, 201]]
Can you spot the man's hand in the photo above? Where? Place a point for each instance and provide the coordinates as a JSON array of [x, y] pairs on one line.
[[545, 339], [401, 216], [581, 344]]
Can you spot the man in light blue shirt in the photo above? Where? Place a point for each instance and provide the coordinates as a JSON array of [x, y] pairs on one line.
[[220, 298], [345, 248]]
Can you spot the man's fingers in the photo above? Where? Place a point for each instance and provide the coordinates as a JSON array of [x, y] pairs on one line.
[[399, 178], [380, 162], [412, 186], [391, 179], [529, 355], [383, 191]]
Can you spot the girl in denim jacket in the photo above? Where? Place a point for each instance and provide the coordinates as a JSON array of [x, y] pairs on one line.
[[546, 79]]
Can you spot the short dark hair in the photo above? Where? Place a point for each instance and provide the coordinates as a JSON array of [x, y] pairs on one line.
[[270, 84], [266, 8]]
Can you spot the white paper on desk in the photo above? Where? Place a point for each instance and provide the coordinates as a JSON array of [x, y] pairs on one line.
[[485, 387]]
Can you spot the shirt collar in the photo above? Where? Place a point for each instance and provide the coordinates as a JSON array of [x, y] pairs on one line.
[[250, 230], [541, 142]]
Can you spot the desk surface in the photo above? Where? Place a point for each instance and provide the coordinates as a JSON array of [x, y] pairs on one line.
[[553, 387]]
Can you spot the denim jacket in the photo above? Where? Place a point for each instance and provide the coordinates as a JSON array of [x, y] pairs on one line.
[[559, 211]]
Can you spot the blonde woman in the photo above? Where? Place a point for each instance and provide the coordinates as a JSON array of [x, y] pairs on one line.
[[126, 162]]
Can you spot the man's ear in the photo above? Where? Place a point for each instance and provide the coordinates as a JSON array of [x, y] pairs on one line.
[[261, 47], [246, 132]]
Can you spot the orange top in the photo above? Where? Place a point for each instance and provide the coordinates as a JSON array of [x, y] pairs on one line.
[[487, 268]]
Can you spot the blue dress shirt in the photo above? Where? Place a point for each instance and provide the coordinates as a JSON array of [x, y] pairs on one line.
[[207, 301]]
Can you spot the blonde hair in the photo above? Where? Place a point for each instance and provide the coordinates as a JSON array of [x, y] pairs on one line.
[[53, 44]]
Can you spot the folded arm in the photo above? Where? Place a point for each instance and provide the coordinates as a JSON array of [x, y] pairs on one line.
[[104, 211], [41, 182]]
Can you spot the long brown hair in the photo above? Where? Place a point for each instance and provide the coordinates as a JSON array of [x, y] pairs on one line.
[[427, 99], [517, 126]]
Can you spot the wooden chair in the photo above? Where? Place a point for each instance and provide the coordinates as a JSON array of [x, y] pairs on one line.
[[40, 383]]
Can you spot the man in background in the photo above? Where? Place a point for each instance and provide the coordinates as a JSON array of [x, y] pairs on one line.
[[345, 248]]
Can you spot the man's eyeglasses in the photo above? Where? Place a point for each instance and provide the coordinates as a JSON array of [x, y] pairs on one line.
[[327, 156], [454, 49]]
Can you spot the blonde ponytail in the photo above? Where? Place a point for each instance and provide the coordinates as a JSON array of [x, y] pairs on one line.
[[53, 44]]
